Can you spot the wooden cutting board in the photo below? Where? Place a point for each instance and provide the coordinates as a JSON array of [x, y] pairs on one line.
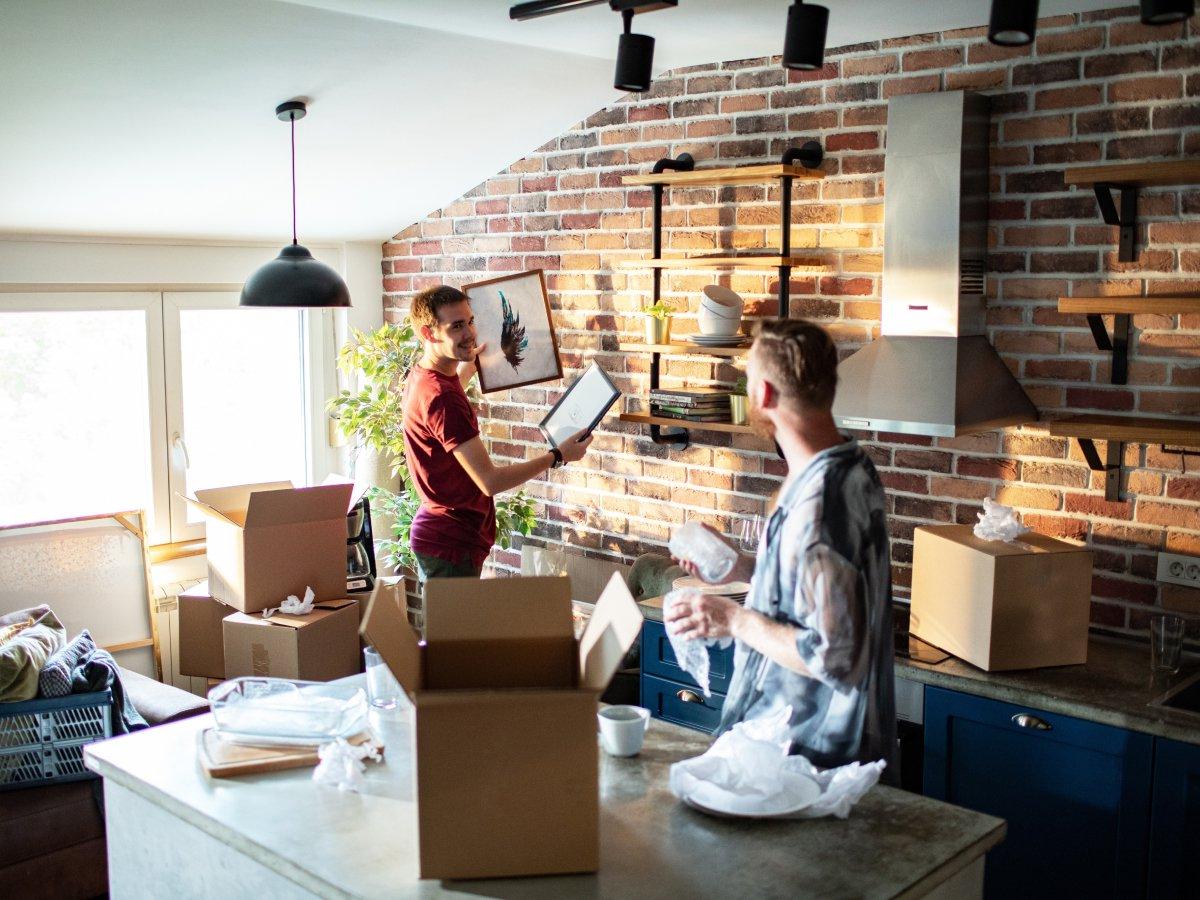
[[221, 758]]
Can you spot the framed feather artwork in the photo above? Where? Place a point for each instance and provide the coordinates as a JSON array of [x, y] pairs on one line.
[[513, 322]]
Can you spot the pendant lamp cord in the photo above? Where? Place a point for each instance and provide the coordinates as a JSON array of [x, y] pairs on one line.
[[293, 119], [627, 16]]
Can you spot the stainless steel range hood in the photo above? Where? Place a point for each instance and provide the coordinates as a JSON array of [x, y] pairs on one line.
[[932, 371]]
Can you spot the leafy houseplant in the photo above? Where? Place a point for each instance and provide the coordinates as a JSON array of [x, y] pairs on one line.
[[373, 417], [658, 322], [738, 412]]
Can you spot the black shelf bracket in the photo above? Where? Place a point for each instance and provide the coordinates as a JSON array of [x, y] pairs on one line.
[[1126, 220], [1111, 467], [1117, 345], [809, 154]]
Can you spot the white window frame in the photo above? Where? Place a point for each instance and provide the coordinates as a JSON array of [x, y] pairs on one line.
[[164, 377]]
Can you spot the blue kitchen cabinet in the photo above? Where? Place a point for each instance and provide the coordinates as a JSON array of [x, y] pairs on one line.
[[1075, 794], [673, 695], [1175, 821]]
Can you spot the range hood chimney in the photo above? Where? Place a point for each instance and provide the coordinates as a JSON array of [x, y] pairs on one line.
[[932, 371]]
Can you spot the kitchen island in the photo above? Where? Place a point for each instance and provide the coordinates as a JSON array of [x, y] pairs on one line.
[[172, 831]]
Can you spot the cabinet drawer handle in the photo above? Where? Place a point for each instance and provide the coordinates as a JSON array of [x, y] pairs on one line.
[[1024, 720], [689, 696]]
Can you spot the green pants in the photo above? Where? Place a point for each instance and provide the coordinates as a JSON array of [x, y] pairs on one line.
[[436, 567]]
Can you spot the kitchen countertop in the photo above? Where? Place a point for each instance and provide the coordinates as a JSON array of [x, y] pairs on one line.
[[309, 839], [1114, 687]]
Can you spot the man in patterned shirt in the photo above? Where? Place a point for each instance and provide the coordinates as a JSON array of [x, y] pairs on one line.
[[816, 634]]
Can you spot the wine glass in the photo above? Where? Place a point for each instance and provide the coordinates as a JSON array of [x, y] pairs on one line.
[[749, 533]]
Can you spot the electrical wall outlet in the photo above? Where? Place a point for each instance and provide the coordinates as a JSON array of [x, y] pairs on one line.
[[1175, 568]]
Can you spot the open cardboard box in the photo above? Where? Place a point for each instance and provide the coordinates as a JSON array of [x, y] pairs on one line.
[[320, 646], [201, 640], [505, 752], [266, 541]]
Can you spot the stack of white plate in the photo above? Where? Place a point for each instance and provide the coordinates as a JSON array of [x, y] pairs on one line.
[[717, 340], [734, 590]]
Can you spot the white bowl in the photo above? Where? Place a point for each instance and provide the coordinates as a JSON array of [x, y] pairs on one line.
[[722, 300], [710, 323], [723, 312]]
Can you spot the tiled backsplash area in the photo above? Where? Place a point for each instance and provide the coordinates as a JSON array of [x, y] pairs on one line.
[[1095, 87]]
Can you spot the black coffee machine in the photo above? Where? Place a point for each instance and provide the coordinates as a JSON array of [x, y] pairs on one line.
[[360, 548]]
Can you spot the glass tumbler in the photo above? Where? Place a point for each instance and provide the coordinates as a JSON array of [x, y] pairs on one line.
[[714, 558], [1166, 643], [383, 691]]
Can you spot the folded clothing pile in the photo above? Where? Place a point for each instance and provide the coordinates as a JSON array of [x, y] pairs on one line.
[[81, 667], [28, 638]]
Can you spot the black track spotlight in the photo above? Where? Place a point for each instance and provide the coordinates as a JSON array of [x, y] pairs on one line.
[[1167, 12], [804, 43], [635, 58], [1013, 22]]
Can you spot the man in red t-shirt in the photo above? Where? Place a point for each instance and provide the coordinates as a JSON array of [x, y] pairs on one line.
[[455, 528]]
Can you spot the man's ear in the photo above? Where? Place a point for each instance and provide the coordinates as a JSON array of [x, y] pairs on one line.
[[426, 333], [768, 394]]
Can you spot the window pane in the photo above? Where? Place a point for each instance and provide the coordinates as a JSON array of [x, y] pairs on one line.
[[243, 396], [74, 414]]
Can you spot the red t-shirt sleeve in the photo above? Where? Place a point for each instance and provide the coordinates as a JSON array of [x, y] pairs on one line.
[[452, 421]]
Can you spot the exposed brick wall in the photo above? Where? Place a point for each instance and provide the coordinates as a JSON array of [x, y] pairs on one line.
[[1097, 86]]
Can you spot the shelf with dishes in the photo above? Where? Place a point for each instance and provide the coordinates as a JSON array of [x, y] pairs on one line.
[[684, 348], [1128, 178], [642, 418]]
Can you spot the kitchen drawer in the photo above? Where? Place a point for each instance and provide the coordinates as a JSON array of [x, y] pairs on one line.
[[666, 700], [658, 659]]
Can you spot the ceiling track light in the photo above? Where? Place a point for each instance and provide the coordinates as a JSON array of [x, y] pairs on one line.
[[294, 279], [804, 41], [1013, 23], [1167, 12], [635, 58]]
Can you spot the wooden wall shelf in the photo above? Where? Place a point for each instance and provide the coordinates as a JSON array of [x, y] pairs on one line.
[[730, 261], [667, 422], [682, 349], [738, 175], [1131, 306]]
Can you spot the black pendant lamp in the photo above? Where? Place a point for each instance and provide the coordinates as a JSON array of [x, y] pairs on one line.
[[1167, 12], [294, 278], [804, 42], [1013, 22], [635, 58]]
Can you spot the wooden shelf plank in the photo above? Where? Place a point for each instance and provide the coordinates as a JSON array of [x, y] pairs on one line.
[[1138, 174], [734, 261], [1161, 305], [1130, 429], [737, 175], [678, 348], [644, 419]]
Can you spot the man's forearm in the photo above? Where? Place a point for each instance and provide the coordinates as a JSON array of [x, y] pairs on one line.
[[774, 640], [505, 478]]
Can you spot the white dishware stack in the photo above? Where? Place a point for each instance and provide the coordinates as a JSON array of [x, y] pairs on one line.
[[720, 313]]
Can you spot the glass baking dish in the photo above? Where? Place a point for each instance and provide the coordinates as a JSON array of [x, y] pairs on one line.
[[281, 711]]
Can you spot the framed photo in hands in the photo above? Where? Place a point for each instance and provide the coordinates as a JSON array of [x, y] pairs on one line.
[[515, 327]]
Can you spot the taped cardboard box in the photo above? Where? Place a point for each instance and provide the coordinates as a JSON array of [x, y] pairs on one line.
[[266, 541], [201, 637], [997, 605], [504, 733], [320, 646]]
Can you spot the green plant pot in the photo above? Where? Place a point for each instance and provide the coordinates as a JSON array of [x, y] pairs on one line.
[[738, 409], [658, 331]]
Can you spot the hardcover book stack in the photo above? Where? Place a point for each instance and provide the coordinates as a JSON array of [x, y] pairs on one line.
[[691, 404]]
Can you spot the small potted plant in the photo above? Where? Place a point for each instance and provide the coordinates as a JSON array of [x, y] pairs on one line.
[[658, 322], [738, 403]]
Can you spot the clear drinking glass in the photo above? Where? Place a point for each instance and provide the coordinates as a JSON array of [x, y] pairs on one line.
[[383, 691], [714, 558], [1166, 642], [750, 531]]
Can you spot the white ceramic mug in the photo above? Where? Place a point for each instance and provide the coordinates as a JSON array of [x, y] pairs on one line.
[[623, 729]]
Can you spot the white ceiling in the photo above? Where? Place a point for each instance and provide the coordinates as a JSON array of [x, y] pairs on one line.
[[144, 118]]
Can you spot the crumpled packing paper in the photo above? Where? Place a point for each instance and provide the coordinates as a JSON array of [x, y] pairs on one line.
[[998, 522], [342, 766], [691, 654], [293, 605], [747, 771]]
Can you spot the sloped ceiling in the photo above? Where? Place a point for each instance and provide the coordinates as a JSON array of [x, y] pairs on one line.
[[148, 119]]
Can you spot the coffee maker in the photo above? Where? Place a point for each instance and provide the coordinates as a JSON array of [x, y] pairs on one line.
[[360, 548]]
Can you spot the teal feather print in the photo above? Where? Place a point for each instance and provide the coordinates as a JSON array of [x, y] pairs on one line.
[[513, 341]]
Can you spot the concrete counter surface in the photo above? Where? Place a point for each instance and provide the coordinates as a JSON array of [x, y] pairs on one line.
[[175, 832]]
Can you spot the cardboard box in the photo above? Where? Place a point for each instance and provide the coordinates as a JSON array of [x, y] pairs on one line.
[[504, 735], [320, 646], [201, 640], [267, 541], [1018, 605]]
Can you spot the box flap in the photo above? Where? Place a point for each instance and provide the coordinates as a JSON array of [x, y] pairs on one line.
[[291, 505], [615, 624], [231, 503], [321, 609], [1027, 543], [357, 488], [197, 590], [474, 609], [386, 628]]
